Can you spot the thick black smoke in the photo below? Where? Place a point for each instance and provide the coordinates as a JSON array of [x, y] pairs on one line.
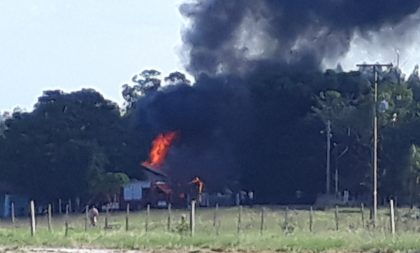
[[257, 65], [236, 36], [211, 117]]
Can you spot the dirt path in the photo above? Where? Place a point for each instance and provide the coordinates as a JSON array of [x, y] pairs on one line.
[[65, 250], [92, 250]]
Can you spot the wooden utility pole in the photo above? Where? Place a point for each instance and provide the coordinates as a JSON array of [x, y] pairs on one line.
[[328, 172], [375, 140]]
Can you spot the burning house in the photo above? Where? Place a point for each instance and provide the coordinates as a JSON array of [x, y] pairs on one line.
[[157, 189], [153, 190]]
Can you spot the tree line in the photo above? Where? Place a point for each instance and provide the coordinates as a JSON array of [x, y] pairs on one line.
[[80, 144]]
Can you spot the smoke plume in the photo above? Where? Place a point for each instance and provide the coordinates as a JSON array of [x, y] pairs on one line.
[[239, 36], [256, 64]]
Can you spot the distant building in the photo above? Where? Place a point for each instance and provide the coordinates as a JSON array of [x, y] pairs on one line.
[[154, 191]]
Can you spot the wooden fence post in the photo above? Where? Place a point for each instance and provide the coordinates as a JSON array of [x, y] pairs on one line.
[[362, 212], [392, 217], [127, 214], [192, 218], [33, 224], [147, 218], [169, 216], [86, 217], [106, 218], [12, 213], [77, 204], [219, 223], [262, 221], [59, 207], [311, 218], [286, 219], [66, 221], [336, 217], [215, 213], [397, 215], [49, 218], [239, 219]]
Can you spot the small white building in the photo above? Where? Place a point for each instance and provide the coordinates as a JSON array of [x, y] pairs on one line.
[[134, 191]]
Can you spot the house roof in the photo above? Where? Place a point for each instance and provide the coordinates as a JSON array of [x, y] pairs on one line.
[[154, 171], [164, 188]]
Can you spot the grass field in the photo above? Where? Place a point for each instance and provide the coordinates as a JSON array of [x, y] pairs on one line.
[[277, 234]]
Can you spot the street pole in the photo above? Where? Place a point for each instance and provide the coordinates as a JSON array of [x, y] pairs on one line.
[[336, 168], [327, 186], [375, 141]]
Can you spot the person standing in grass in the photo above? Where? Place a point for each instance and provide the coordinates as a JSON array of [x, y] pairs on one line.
[[93, 215]]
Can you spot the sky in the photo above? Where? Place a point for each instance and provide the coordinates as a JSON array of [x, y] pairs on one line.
[[69, 45]]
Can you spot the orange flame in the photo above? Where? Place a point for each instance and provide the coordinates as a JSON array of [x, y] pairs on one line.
[[160, 149]]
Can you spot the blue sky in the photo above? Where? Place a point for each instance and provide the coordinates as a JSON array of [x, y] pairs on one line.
[[68, 45]]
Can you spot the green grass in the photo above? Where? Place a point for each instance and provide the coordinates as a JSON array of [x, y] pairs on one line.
[[351, 236]]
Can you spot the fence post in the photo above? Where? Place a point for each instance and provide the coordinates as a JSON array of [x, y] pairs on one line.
[[192, 218], [215, 215], [239, 219], [59, 207], [397, 215], [392, 217], [147, 218], [336, 217], [169, 216], [106, 218], [77, 204], [219, 223], [286, 219], [311, 214], [262, 221], [86, 217], [49, 218], [12, 213], [362, 212], [66, 222], [33, 224], [127, 213]]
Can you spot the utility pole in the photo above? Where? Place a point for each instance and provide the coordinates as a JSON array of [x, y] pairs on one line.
[[327, 186], [336, 168], [375, 140]]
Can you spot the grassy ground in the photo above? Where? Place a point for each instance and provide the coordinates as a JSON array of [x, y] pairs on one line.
[[222, 235]]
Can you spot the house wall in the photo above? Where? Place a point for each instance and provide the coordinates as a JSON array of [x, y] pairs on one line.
[[134, 190]]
